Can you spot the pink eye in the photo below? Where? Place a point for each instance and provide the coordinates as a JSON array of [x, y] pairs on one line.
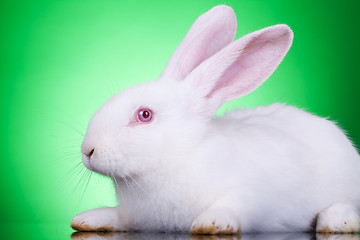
[[144, 115]]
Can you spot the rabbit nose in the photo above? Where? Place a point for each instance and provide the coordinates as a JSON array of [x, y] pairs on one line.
[[90, 153]]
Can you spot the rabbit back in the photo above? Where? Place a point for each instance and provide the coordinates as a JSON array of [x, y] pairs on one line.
[[294, 164]]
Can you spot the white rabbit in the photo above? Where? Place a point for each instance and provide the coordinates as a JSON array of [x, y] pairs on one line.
[[176, 168]]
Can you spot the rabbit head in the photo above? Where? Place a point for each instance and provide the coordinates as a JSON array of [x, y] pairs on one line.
[[138, 129]]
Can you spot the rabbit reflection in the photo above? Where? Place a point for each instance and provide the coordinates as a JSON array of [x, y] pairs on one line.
[[169, 236]]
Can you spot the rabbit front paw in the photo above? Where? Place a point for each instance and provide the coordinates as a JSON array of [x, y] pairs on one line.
[[215, 222], [98, 220]]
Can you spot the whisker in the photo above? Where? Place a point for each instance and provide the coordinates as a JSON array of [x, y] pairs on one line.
[[69, 158], [73, 175], [77, 139], [67, 116], [115, 181], [142, 189], [67, 125], [75, 171], [114, 87], [119, 195], [125, 183], [59, 161], [68, 141], [89, 174], [69, 154], [70, 147], [82, 174], [128, 185]]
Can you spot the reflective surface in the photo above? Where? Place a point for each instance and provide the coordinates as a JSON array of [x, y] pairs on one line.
[[34, 231], [168, 236], [64, 232]]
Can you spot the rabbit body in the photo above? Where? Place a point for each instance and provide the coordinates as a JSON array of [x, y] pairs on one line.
[[177, 168], [274, 168]]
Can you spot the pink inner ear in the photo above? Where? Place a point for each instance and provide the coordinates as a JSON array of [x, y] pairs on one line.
[[255, 63], [199, 47], [211, 32]]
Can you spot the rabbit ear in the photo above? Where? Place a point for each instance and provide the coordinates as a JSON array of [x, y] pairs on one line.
[[241, 67], [211, 32]]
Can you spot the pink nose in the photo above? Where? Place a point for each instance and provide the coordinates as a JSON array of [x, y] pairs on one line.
[[90, 153]]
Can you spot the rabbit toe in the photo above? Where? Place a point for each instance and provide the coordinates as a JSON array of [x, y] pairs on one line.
[[90, 224], [218, 222], [97, 220]]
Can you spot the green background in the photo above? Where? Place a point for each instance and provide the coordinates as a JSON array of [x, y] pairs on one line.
[[61, 60]]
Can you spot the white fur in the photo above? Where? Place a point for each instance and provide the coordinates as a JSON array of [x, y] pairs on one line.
[[339, 218], [267, 169]]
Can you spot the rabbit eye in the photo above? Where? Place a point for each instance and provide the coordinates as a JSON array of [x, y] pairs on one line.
[[144, 115]]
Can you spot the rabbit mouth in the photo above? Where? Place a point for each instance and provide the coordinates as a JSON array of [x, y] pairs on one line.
[[103, 168]]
